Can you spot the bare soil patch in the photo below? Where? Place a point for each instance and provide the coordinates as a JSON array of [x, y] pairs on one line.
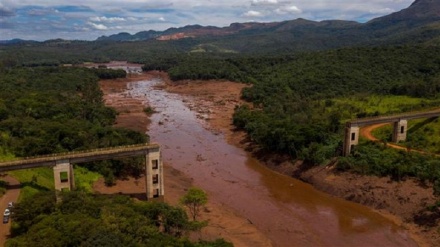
[[131, 113]]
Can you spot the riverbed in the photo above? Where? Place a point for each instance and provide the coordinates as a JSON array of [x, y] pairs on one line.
[[289, 212]]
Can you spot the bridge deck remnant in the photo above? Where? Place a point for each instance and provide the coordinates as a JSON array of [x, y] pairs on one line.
[[400, 121], [62, 164]]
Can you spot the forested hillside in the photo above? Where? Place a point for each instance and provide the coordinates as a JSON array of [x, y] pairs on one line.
[[47, 110], [419, 24]]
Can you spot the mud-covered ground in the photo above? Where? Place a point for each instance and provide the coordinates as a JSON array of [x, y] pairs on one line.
[[399, 201], [215, 102], [223, 222]]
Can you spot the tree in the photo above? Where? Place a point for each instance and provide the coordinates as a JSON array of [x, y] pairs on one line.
[[194, 199]]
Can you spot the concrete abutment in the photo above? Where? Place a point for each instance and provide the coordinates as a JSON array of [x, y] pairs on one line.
[[400, 130], [154, 175], [63, 175], [351, 138]]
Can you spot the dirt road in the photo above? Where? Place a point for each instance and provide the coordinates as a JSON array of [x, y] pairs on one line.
[[12, 193], [366, 132]]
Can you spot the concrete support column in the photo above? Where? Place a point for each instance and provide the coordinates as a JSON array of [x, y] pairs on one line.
[[351, 138], [63, 175], [400, 129], [154, 174]]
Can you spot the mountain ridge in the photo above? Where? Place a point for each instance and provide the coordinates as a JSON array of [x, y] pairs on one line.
[[417, 24], [419, 13]]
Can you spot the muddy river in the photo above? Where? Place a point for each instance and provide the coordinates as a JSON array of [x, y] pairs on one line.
[[289, 212]]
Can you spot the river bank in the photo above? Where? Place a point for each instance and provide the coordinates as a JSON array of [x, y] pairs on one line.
[[214, 103], [398, 201]]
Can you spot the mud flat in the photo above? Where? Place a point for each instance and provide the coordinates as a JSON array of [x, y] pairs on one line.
[[268, 208]]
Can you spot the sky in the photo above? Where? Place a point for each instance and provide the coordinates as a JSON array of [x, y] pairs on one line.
[[89, 19]]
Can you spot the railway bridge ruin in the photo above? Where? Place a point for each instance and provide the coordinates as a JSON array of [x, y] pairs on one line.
[[400, 123], [63, 170]]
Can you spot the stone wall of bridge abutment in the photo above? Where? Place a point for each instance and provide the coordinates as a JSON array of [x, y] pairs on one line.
[[400, 127], [63, 171]]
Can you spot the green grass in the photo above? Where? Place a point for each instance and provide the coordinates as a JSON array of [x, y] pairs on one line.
[[34, 180], [423, 134], [84, 179], [384, 132], [41, 179], [4, 156], [371, 105]]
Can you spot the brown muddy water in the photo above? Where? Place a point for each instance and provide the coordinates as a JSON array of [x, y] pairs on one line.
[[288, 211]]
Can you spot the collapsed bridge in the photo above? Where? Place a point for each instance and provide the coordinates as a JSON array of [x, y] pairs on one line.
[[400, 123], [63, 170]]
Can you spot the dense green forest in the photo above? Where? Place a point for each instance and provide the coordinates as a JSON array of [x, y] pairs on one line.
[[58, 52], [301, 101], [82, 219], [298, 102], [54, 109]]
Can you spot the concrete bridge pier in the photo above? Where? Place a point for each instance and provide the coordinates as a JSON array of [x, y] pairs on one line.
[[400, 129], [154, 175], [63, 175], [351, 138]]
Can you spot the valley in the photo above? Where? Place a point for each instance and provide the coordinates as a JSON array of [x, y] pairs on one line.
[[251, 115], [203, 101]]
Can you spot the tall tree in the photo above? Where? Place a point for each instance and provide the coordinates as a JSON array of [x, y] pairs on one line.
[[194, 200]]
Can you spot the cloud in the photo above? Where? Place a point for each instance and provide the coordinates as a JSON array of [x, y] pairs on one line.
[[98, 26], [288, 10], [264, 2], [382, 11], [107, 19], [253, 13]]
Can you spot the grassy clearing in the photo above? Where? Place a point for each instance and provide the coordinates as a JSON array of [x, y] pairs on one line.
[[84, 179], [423, 134], [384, 132], [34, 180], [41, 179], [372, 105]]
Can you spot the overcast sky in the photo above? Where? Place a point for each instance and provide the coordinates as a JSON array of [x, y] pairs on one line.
[[89, 19]]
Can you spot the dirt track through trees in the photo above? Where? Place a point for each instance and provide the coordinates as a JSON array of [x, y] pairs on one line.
[[12, 193]]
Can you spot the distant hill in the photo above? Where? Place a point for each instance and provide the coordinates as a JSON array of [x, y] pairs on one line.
[[144, 35], [16, 41], [419, 11], [194, 31], [420, 22]]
